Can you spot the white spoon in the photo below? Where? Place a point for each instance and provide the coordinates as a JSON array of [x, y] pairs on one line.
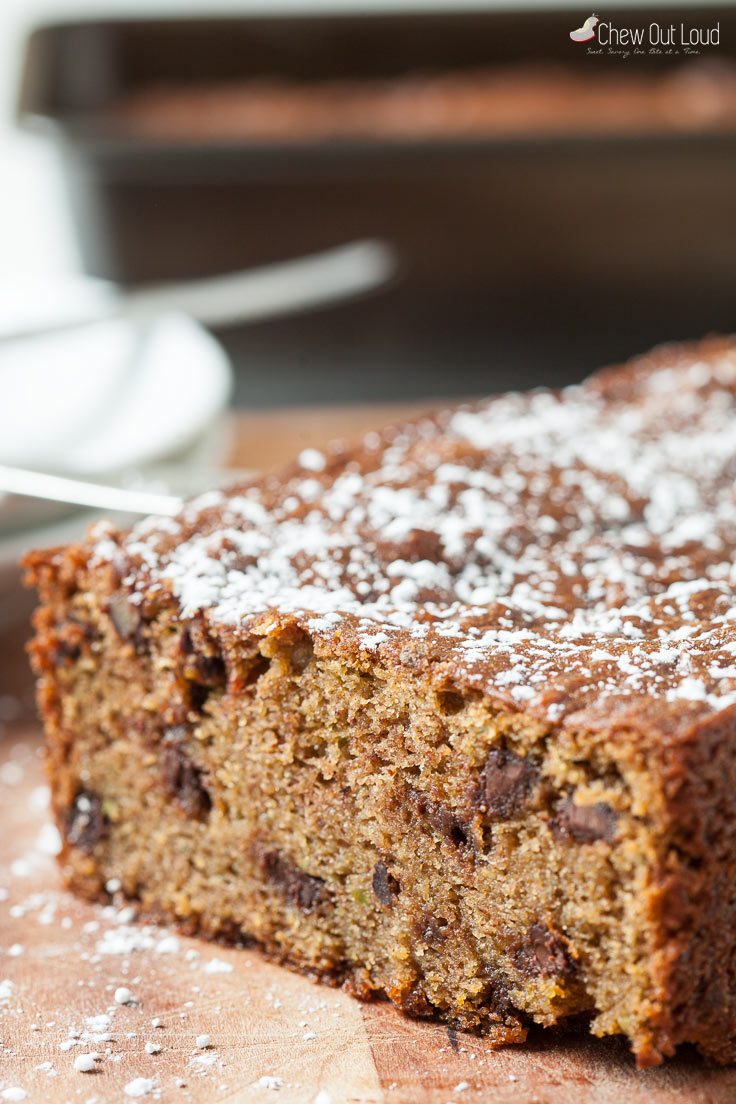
[[80, 492]]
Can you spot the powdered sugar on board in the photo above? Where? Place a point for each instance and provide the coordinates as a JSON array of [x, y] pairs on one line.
[[555, 549], [56, 1004]]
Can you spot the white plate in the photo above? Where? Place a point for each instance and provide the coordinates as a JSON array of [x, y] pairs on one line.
[[103, 403], [93, 401]]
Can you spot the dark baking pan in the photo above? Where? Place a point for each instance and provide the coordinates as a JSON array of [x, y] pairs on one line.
[[523, 260]]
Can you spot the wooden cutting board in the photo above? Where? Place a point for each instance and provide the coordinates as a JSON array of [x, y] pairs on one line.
[[62, 960], [276, 1038]]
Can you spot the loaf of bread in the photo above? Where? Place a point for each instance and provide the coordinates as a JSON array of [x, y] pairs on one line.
[[448, 716]]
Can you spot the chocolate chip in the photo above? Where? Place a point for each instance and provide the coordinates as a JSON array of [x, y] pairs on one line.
[[65, 653], [227, 930], [496, 996], [506, 782], [303, 890], [585, 823], [125, 615], [86, 823], [385, 886], [73, 638], [182, 779], [429, 929], [449, 826], [415, 1003], [442, 819], [544, 953]]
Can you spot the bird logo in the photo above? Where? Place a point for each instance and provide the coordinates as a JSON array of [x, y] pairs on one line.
[[587, 31]]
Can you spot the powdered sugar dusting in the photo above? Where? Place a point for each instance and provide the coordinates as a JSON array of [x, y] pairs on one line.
[[557, 548]]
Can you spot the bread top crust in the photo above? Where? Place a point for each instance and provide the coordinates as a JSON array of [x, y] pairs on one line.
[[569, 553]]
